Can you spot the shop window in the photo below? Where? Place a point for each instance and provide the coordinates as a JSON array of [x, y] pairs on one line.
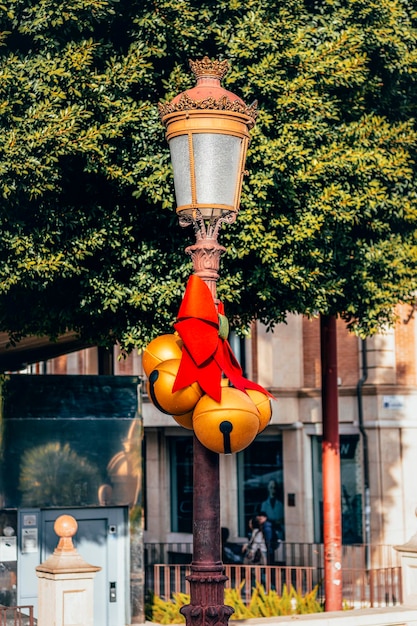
[[181, 455], [351, 489], [260, 483]]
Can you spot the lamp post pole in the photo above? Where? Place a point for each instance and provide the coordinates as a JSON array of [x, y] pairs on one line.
[[207, 131], [207, 579]]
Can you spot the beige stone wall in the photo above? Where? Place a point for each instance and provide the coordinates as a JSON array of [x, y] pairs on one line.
[[405, 347], [280, 355]]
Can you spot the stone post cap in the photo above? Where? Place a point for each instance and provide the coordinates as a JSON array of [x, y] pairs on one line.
[[65, 527], [66, 559], [410, 545]]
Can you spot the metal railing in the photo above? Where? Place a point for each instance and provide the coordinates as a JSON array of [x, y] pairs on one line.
[[372, 589], [291, 554], [169, 579], [298, 564], [16, 616], [361, 589]]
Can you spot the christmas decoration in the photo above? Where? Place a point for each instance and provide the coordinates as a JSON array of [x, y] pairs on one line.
[[161, 349], [194, 376], [164, 398]]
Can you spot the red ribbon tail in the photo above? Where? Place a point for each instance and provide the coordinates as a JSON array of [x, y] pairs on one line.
[[233, 371], [187, 372]]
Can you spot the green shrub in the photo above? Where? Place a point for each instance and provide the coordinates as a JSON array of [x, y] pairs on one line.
[[262, 604]]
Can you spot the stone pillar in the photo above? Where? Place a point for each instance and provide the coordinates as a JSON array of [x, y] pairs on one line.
[[408, 553], [65, 586]]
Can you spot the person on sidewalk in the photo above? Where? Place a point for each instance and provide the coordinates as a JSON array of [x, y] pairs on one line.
[[255, 551], [268, 535]]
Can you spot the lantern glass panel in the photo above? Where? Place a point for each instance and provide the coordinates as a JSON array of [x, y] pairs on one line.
[[217, 159], [217, 173], [180, 158]]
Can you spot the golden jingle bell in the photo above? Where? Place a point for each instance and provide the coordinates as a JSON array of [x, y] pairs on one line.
[[160, 349], [186, 420], [159, 387], [226, 426], [263, 404]]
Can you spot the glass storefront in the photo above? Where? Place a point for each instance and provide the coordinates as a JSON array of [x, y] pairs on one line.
[[260, 486], [181, 455], [260, 483], [70, 441]]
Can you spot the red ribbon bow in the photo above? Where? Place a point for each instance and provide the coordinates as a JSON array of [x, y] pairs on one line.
[[205, 355]]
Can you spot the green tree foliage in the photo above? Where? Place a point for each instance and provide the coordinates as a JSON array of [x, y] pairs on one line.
[[331, 212], [89, 239]]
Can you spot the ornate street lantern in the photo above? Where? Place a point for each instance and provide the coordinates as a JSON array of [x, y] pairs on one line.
[[208, 135]]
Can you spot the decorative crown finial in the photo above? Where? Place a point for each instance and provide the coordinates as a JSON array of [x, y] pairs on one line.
[[207, 94], [208, 67]]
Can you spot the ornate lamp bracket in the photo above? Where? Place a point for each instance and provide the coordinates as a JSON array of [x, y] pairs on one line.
[[206, 251]]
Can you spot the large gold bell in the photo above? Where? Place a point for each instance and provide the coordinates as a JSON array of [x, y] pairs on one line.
[[263, 404], [226, 426], [160, 383], [160, 349], [186, 420]]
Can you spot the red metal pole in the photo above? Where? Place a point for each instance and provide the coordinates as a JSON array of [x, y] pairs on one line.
[[332, 512]]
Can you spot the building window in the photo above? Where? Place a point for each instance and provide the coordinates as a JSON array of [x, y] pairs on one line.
[[181, 455], [351, 487], [260, 483]]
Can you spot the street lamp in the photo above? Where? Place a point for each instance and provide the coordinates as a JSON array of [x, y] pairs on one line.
[[207, 128]]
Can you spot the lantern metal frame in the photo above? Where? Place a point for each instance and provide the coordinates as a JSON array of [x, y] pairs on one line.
[[224, 123], [208, 109]]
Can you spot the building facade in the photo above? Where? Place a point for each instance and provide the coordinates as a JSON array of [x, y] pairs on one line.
[[281, 470]]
